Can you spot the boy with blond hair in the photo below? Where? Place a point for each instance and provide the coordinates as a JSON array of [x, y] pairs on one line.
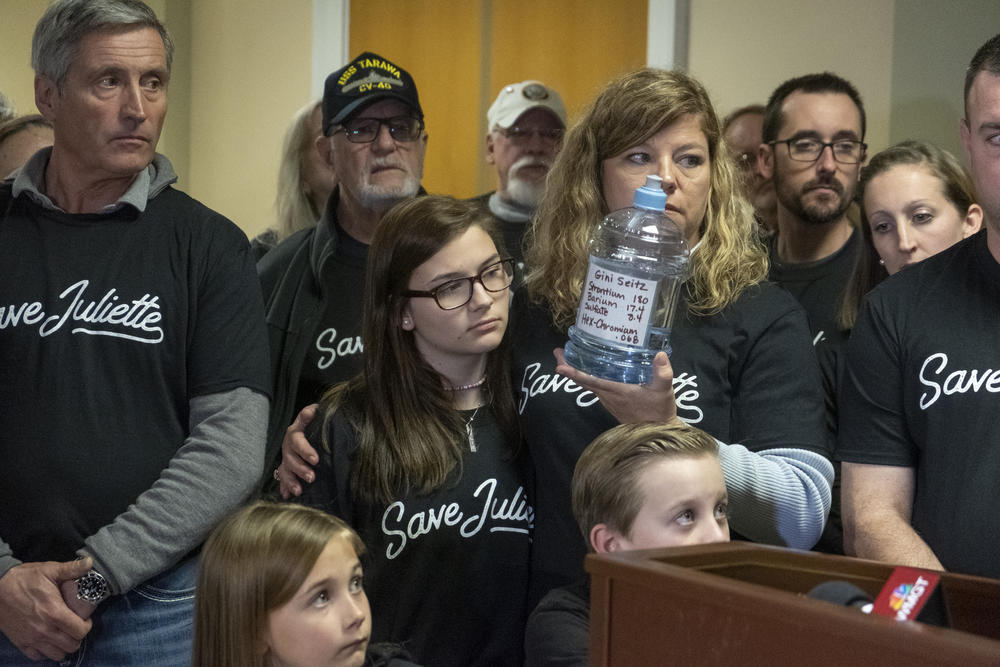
[[636, 486]]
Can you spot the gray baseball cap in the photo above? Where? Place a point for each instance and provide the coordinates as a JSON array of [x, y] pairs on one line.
[[516, 98]]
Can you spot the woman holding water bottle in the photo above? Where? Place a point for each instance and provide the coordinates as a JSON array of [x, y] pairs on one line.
[[741, 366]]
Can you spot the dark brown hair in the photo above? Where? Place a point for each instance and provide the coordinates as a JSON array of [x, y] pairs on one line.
[[825, 82], [410, 437]]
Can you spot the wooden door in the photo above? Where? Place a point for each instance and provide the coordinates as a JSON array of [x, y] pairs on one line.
[[461, 52]]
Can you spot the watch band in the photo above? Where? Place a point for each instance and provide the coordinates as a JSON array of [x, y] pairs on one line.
[[92, 587]]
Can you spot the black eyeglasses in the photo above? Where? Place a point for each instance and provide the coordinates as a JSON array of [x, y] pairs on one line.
[[805, 149], [522, 135], [458, 292], [365, 130]]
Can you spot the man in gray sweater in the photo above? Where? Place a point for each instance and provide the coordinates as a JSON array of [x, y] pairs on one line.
[[133, 358]]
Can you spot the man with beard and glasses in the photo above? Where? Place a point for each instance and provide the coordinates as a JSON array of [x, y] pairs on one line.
[[813, 150], [526, 124], [814, 128], [374, 139]]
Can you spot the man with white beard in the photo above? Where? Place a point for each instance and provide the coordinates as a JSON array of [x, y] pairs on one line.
[[374, 139], [526, 125]]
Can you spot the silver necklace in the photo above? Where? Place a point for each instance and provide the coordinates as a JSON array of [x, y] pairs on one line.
[[469, 433]]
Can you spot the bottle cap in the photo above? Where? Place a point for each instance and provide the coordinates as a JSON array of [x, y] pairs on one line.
[[651, 195]]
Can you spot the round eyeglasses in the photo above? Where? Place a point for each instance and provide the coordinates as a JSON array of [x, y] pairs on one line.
[[458, 292], [366, 130]]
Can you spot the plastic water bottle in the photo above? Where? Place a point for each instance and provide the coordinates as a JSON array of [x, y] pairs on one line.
[[638, 262]]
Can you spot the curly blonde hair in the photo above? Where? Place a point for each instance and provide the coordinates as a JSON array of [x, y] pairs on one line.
[[631, 109]]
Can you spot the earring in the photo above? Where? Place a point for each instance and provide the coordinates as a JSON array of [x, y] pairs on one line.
[[406, 321], [882, 262]]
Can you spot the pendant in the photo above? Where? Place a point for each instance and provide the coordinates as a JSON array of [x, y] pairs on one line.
[[472, 436], [469, 433]]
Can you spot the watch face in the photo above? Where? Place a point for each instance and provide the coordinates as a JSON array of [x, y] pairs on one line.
[[92, 587]]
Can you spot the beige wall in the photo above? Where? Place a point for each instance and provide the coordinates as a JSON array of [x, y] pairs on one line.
[[934, 42], [16, 77], [174, 143], [742, 50], [906, 57], [251, 73]]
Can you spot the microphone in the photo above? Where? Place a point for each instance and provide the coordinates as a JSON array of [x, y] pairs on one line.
[[842, 593], [912, 594]]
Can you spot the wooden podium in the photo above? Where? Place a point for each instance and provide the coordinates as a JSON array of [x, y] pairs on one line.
[[745, 604]]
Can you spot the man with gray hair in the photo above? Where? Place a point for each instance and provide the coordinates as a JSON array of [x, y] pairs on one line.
[[526, 124], [375, 141], [133, 358]]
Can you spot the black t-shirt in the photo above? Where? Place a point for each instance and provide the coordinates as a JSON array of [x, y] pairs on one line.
[[447, 572], [558, 630], [921, 390], [335, 352], [746, 375], [819, 287], [109, 325]]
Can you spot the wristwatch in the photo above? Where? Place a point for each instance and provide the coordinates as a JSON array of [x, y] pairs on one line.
[[92, 587]]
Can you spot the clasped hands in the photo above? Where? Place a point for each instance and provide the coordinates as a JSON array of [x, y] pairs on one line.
[[39, 610]]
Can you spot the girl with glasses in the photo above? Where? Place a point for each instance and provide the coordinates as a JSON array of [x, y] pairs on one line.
[[419, 452]]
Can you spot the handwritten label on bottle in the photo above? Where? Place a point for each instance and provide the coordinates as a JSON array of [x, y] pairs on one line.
[[616, 307]]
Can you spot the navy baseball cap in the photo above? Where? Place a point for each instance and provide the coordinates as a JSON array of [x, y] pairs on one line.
[[366, 79]]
